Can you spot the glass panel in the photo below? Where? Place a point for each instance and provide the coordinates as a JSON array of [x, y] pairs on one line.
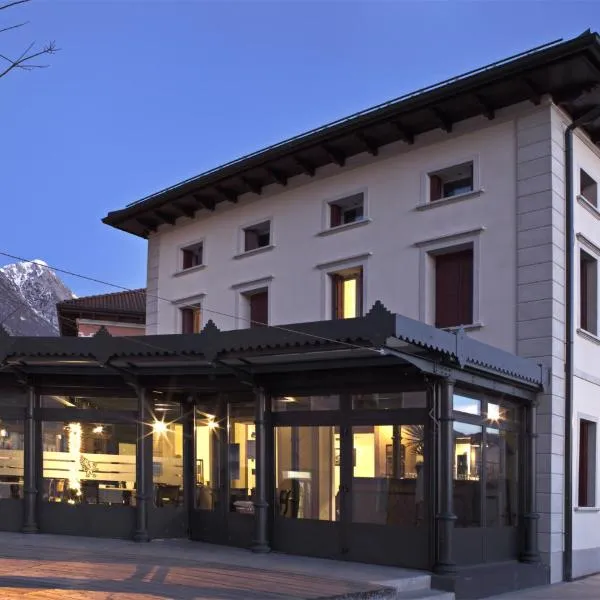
[[467, 474], [208, 435], [388, 485], [167, 454], [416, 399], [12, 443], [295, 403], [15, 398], [89, 463], [499, 412], [242, 458], [502, 478], [466, 404], [307, 473], [89, 402]]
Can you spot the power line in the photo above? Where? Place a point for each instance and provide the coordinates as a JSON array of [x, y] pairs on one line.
[[203, 308]]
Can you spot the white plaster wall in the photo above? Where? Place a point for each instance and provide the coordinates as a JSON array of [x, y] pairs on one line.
[[393, 184]]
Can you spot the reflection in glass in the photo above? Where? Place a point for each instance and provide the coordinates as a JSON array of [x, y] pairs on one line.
[[89, 463], [92, 403], [467, 474], [417, 399], [464, 404], [242, 458], [208, 432], [12, 443], [167, 453], [297, 403], [388, 485], [307, 473], [502, 478]]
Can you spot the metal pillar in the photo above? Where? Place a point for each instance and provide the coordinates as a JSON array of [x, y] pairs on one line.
[[530, 552], [30, 460], [261, 505], [189, 459], [144, 439], [445, 517]]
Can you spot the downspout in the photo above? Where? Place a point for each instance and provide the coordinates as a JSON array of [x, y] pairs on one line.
[[569, 337]]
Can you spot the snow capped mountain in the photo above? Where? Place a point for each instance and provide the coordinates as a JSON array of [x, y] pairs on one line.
[[29, 292]]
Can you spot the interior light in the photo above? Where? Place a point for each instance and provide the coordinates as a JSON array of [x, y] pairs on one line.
[[98, 429], [493, 412], [288, 399], [212, 424], [3, 433], [160, 427]]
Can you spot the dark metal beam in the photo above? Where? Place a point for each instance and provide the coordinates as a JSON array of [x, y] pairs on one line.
[[442, 117], [226, 193], [487, 108], [405, 134], [369, 143], [595, 137], [252, 185], [535, 95], [280, 177], [338, 157], [308, 168], [166, 217], [207, 203]]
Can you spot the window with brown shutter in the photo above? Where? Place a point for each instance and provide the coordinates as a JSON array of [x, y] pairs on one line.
[[454, 288], [192, 256], [588, 188], [587, 463], [259, 308], [347, 210], [257, 236], [450, 182], [191, 319], [347, 293], [588, 293]]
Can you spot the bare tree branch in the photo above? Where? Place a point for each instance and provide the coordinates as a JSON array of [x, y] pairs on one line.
[[24, 60]]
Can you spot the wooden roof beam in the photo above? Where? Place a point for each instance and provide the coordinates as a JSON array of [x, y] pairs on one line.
[[148, 224], [227, 194], [405, 134], [207, 203], [369, 143], [186, 211], [166, 217], [306, 167], [535, 96], [442, 117], [338, 157], [252, 185], [488, 109], [279, 176]]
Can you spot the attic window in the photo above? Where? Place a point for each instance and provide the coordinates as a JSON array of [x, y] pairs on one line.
[[257, 236], [347, 210], [450, 182], [588, 188], [192, 256]]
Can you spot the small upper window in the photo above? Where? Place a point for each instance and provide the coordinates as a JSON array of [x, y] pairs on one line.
[[451, 182], [588, 188], [192, 256], [257, 236], [347, 210]]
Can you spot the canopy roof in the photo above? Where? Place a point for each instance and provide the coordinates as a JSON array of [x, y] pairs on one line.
[[568, 71]]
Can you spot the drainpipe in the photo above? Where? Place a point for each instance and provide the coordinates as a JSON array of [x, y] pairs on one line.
[[569, 319]]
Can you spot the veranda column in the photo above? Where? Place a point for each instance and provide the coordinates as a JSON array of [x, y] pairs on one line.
[[30, 461], [530, 517], [189, 458], [143, 471], [261, 506], [445, 517]]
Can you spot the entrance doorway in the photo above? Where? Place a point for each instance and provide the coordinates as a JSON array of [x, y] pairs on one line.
[[353, 485]]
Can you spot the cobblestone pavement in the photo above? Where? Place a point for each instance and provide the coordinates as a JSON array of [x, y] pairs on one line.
[[56, 567]]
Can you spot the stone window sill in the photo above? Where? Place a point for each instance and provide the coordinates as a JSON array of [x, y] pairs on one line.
[[588, 336], [470, 327], [587, 509], [344, 227], [451, 200], [253, 252], [190, 270], [588, 206]]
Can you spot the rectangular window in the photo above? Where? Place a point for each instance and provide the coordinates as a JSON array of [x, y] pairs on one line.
[[259, 308], [192, 256], [257, 236], [587, 463], [588, 292], [467, 474], [454, 288], [208, 433], [191, 319], [347, 210], [451, 182], [347, 293], [588, 188]]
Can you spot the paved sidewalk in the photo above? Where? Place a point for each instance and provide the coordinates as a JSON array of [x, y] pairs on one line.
[[582, 589], [47, 567]]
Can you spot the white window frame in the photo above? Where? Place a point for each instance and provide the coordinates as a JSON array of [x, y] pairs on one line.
[[594, 251], [434, 167], [428, 249], [179, 270], [326, 229], [596, 507], [242, 307], [330, 268], [241, 252], [190, 301]]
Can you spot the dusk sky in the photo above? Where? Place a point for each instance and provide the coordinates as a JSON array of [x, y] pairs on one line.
[[144, 94]]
